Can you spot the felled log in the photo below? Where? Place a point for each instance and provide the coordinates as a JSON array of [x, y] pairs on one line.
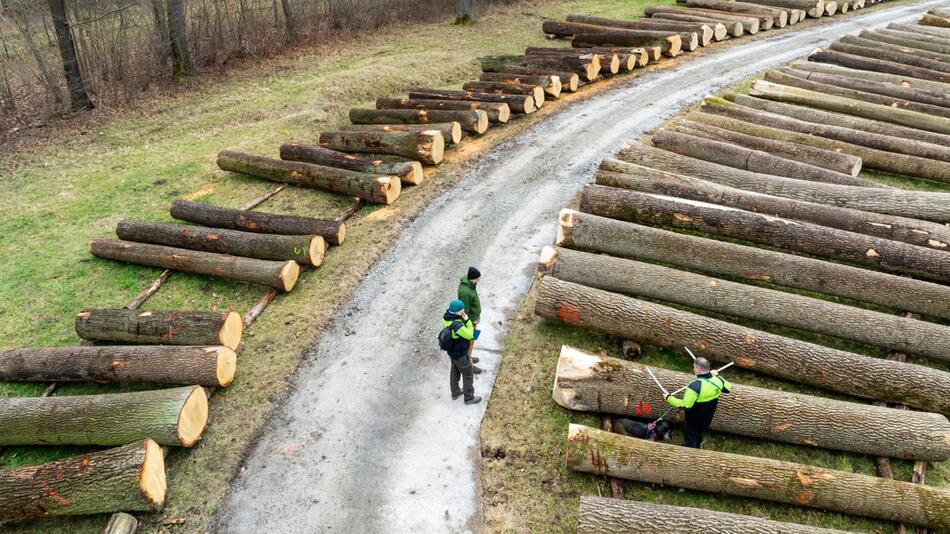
[[705, 34], [813, 8], [838, 162], [550, 84], [254, 221], [907, 40], [928, 19], [451, 131], [602, 64], [749, 25], [536, 91], [902, 202], [656, 282], [473, 120], [646, 180], [175, 416], [410, 172], [611, 516], [496, 111], [794, 95], [130, 478], [278, 274], [731, 28], [582, 62], [928, 59], [590, 450], [832, 7], [212, 366], [586, 66], [569, 80], [877, 65], [671, 44], [932, 31], [611, 59], [798, 236], [739, 157], [588, 382], [780, 16], [912, 94], [517, 103], [427, 147], [121, 523], [641, 55], [161, 327], [617, 238]]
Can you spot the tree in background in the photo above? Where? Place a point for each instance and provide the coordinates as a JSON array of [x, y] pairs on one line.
[[78, 97], [463, 11], [178, 39], [289, 21]]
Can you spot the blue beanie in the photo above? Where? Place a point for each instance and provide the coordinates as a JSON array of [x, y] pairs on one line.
[[456, 306]]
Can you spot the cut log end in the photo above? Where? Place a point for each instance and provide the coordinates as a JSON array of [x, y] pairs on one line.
[[436, 146], [318, 249], [831, 8], [482, 125], [415, 175], [341, 231], [193, 417], [571, 83], [152, 477], [226, 364], [457, 130], [504, 113], [566, 224], [289, 274], [232, 330], [529, 106], [547, 259], [391, 187]]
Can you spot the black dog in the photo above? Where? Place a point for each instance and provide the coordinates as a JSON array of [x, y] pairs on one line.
[[657, 431]]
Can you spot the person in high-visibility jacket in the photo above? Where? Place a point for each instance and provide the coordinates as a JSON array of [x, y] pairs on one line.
[[700, 401], [463, 332]]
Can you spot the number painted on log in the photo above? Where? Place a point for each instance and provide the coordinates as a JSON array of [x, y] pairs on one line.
[[568, 313]]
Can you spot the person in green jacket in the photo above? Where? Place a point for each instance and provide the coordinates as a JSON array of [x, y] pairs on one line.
[[468, 294], [463, 331], [700, 401]]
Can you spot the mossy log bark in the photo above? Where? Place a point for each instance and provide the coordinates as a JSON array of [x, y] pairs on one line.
[[410, 172], [732, 28], [278, 274], [617, 238], [472, 120], [878, 65], [517, 103], [427, 146], [498, 112], [129, 478], [593, 383], [780, 16], [369, 187], [798, 236], [174, 416], [590, 450], [254, 221], [506, 88], [551, 84], [451, 131], [600, 515], [671, 44], [161, 327]]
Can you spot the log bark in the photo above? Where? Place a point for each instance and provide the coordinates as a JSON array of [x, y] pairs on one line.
[[838, 162], [933, 20], [906, 40], [305, 250], [671, 44], [570, 81], [902, 80], [611, 60], [599, 234], [212, 366], [593, 383], [451, 131], [812, 8], [640, 54], [614, 516], [370, 187], [929, 59], [498, 112], [278, 274], [921, 29], [586, 66], [794, 95], [590, 450], [656, 282], [750, 25], [121, 523], [704, 32], [550, 84], [130, 478], [780, 16], [732, 28], [646, 180], [473, 120], [937, 101], [725, 153], [254, 221], [536, 91], [912, 204], [161, 327], [427, 147], [517, 103], [797, 236], [409, 172], [174, 416], [877, 65]]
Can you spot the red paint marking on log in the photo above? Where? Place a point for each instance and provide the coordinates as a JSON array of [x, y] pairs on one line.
[[52, 493], [170, 333], [568, 313]]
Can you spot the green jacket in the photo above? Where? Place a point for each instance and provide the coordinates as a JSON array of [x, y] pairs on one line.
[[468, 294], [703, 389]]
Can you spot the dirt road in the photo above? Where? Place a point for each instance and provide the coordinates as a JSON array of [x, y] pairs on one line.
[[369, 441]]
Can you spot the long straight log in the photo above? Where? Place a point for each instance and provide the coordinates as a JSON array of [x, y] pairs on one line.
[[914, 36], [933, 20], [640, 54], [733, 155], [912, 204], [586, 66], [174, 416], [798, 236], [427, 147], [158, 364], [750, 25], [671, 44], [536, 91], [254, 221], [610, 59], [706, 34], [655, 282], [884, 77], [779, 15], [588, 382], [129, 478], [278, 274], [929, 60], [370, 187], [732, 28], [938, 101], [617, 238], [905, 41], [570, 81], [599, 515], [161, 327], [473, 120], [550, 84], [410, 172], [497, 111], [451, 131], [590, 450], [812, 8], [922, 29], [518, 103], [878, 65]]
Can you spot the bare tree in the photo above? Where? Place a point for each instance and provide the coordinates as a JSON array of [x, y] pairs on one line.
[[289, 21], [22, 22], [463, 13], [178, 39], [78, 97]]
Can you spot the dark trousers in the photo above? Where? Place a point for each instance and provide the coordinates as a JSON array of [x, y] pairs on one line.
[[692, 437], [461, 368]]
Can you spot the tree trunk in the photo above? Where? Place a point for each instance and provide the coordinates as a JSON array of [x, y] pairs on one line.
[[289, 21], [779, 16], [797, 236], [732, 28], [551, 85], [161, 327], [939, 102], [409, 172], [174, 416], [498, 112], [278, 274], [656, 282], [671, 44], [427, 147], [877, 65], [370, 187], [78, 97], [812, 8], [160, 17], [536, 91], [907, 42], [211, 366], [121, 523], [912, 204], [570, 81], [131, 478], [589, 382], [615, 516], [646, 180], [734, 155], [178, 39], [594, 451], [586, 68], [599, 234], [472, 120], [750, 25], [451, 131], [305, 250], [704, 32], [254, 221], [517, 103]]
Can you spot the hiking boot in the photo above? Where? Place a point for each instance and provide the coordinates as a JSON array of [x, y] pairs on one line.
[[473, 400], [476, 370], [474, 359], [456, 395]]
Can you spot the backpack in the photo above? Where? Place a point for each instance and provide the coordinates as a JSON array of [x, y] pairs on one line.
[[446, 342]]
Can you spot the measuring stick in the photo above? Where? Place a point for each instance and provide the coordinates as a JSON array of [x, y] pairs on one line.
[[690, 353], [721, 369], [653, 376]]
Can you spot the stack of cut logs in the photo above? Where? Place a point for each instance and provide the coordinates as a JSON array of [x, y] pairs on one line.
[[669, 237]]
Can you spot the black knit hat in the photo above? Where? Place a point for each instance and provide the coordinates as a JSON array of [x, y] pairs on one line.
[[473, 273]]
